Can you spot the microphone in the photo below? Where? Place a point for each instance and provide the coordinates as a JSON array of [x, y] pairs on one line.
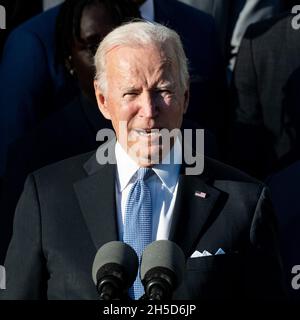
[[114, 270], [162, 269]]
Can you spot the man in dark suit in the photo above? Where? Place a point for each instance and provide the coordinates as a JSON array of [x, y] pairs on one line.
[[24, 101], [232, 18], [266, 104], [70, 209], [71, 130]]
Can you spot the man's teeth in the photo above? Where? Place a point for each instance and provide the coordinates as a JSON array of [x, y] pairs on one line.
[[154, 132]]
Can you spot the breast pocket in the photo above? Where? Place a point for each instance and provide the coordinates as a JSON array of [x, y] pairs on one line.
[[214, 277]]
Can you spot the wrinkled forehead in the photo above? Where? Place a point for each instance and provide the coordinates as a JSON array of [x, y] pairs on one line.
[[141, 55], [141, 66]]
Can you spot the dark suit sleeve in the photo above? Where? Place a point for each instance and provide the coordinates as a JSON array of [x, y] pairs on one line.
[[264, 276], [13, 184], [25, 263]]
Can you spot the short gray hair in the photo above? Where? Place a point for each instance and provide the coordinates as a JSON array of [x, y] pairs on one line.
[[137, 34]]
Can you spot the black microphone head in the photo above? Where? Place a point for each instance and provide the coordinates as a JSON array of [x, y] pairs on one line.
[[163, 254], [112, 255]]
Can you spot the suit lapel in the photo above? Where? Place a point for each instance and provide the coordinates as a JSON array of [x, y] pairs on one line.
[[96, 195], [195, 202], [193, 209]]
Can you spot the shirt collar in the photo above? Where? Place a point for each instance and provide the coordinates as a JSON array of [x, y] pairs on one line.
[[126, 166], [147, 10], [167, 173]]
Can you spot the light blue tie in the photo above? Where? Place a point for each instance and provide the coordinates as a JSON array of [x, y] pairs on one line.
[[138, 222]]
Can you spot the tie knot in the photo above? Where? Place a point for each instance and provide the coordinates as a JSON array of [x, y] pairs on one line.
[[144, 173]]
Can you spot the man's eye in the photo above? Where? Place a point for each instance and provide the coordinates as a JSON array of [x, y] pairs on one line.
[[130, 94]]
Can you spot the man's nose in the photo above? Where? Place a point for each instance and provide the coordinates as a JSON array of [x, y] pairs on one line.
[[148, 105]]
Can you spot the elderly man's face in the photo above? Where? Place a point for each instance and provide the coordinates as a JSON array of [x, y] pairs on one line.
[[144, 94]]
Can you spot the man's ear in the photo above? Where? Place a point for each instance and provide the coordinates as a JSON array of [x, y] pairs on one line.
[[186, 100], [101, 101]]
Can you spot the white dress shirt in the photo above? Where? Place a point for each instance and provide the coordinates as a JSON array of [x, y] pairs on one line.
[[163, 184], [147, 10]]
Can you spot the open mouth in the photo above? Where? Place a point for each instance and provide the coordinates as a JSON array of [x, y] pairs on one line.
[[148, 132]]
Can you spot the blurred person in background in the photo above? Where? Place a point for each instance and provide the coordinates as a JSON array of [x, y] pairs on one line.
[[232, 18], [265, 124]]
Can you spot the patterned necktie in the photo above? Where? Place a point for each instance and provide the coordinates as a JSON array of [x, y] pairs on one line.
[[138, 222]]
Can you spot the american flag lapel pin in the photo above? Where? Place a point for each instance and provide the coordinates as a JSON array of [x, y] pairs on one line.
[[200, 194]]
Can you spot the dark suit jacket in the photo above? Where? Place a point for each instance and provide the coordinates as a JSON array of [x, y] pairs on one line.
[[266, 108], [67, 212], [284, 187]]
